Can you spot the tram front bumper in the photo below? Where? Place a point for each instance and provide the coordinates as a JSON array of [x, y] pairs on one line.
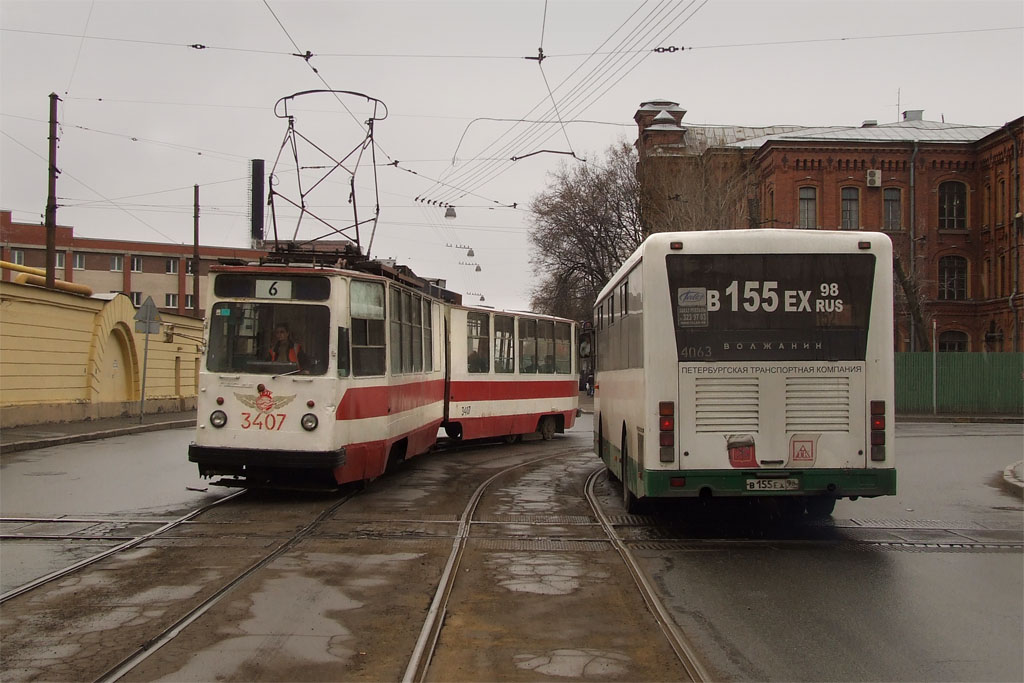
[[214, 460]]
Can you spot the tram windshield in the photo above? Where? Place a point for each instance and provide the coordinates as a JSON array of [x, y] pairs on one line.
[[268, 338]]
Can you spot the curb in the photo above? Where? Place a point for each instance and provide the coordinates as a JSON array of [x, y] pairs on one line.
[[33, 444], [1011, 478]]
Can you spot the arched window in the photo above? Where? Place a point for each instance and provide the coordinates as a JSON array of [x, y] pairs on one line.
[[953, 340], [952, 205], [952, 278]]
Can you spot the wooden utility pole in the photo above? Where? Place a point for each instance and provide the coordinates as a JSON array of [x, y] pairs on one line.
[[51, 197], [196, 311]]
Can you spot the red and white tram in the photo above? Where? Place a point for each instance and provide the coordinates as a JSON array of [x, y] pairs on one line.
[[511, 374], [318, 376]]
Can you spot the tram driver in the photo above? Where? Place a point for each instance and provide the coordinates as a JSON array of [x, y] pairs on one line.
[[284, 348]]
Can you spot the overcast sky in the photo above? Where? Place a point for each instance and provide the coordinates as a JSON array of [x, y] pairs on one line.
[[144, 116]]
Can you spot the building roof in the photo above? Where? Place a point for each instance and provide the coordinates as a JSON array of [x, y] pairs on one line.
[[901, 131], [724, 136], [696, 138]]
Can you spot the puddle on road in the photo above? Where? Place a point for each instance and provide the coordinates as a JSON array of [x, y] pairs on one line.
[[534, 492], [400, 489], [538, 492], [568, 663], [284, 606], [292, 603], [91, 631], [541, 573]]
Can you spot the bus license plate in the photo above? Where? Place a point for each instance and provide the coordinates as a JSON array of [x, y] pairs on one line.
[[773, 484]]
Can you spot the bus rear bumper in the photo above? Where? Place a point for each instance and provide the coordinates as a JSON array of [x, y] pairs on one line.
[[837, 483]]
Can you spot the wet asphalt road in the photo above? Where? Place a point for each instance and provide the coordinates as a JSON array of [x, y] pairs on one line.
[[759, 604], [765, 604]]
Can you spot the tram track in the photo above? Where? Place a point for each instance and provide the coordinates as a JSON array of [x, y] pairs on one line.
[[156, 640], [676, 638], [459, 541], [121, 547], [878, 535], [419, 662], [151, 646]]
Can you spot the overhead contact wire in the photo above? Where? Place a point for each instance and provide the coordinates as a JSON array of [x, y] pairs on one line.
[[504, 150], [473, 178], [654, 16]]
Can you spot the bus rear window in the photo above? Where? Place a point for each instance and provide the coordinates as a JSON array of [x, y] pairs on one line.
[[729, 307]]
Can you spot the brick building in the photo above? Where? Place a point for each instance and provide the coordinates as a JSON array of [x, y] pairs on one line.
[[138, 269], [948, 195]]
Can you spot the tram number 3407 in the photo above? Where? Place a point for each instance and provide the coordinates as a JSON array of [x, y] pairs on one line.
[[268, 421]]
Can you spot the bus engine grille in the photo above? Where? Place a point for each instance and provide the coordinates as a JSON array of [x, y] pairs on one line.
[[817, 404], [726, 404]]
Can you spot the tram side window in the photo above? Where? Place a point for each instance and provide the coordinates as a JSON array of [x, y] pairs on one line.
[[343, 365], [563, 348], [368, 338], [406, 332], [396, 330], [527, 346], [416, 327], [477, 342], [504, 344], [428, 336], [545, 346]]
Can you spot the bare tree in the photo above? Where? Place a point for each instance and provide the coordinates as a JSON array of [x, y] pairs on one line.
[[701, 189], [908, 299], [592, 216], [584, 227]]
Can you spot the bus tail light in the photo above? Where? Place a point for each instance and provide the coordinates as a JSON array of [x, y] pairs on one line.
[[666, 431], [877, 417]]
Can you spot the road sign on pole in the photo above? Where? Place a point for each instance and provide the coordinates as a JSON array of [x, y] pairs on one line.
[[147, 321]]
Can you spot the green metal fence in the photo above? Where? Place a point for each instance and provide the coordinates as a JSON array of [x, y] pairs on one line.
[[965, 383]]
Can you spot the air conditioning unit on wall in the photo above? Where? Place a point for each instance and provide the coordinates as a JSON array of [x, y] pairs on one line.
[[874, 177]]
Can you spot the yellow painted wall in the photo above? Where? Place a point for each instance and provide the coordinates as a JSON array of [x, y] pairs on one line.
[[68, 357]]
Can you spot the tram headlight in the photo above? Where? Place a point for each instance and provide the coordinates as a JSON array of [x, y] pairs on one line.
[[309, 422], [218, 418]]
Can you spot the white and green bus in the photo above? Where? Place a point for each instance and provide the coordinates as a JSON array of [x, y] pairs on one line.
[[748, 363]]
